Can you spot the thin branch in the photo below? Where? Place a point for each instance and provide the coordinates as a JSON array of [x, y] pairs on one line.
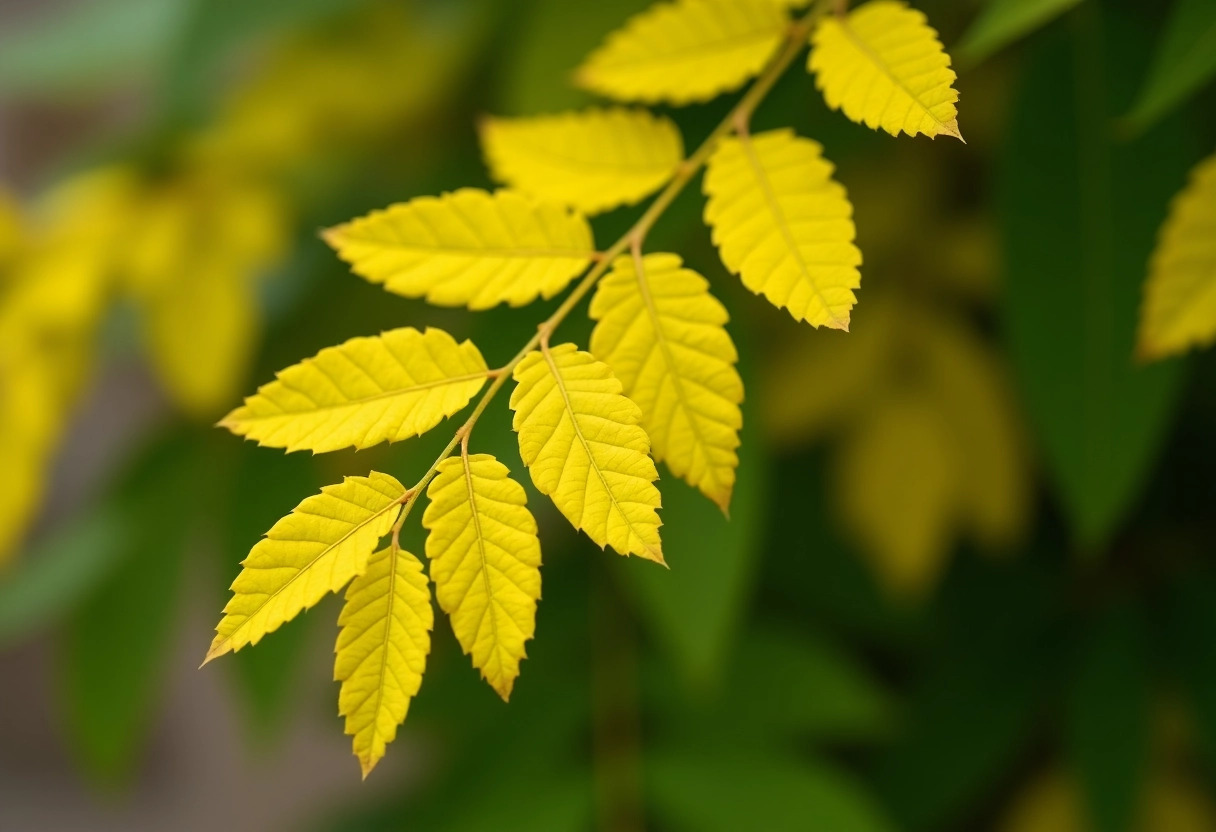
[[736, 120]]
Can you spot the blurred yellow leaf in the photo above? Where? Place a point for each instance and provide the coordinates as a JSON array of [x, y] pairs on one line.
[[50, 303], [485, 561], [664, 336], [686, 50], [591, 160], [468, 248], [883, 65], [12, 232], [368, 390], [382, 649], [194, 256], [812, 385], [784, 225], [1172, 803], [315, 550], [899, 481], [351, 80], [1179, 310], [585, 448]]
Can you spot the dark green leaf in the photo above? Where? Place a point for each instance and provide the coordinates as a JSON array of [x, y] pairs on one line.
[[727, 791], [1185, 61], [1003, 21], [113, 649], [1080, 215], [1108, 718]]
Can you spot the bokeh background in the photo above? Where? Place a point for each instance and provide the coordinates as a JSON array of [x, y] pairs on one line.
[[969, 578]]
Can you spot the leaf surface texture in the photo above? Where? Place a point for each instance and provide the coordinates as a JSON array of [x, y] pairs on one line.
[[584, 445], [685, 51], [485, 561], [368, 390], [885, 68], [317, 549], [468, 248], [382, 649], [664, 336], [592, 160], [784, 225]]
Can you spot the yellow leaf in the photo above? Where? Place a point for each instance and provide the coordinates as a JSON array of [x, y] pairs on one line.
[[12, 232], [485, 561], [811, 385], [973, 391], [664, 336], [592, 160], [193, 261], [368, 390], [583, 444], [784, 225], [899, 483], [468, 248], [322, 544], [884, 67], [685, 51], [1179, 310], [382, 649]]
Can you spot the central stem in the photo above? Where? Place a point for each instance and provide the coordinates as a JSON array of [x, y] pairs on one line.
[[736, 121]]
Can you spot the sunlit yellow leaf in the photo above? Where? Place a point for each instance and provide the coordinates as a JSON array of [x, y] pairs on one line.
[[592, 160], [884, 67], [485, 561], [1179, 310], [363, 392], [468, 248], [315, 550], [686, 50], [382, 649], [899, 482], [583, 444], [784, 225], [663, 334]]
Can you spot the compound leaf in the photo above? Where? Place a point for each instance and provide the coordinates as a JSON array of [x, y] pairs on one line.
[[685, 51], [584, 445], [322, 544], [468, 248], [485, 561], [382, 649], [592, 160], [664, 336], [1179, 309], [784, 225], [368, 390], [884, 67]]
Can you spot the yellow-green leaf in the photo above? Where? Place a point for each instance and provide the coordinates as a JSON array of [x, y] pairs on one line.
[[382, 649], [368, 390], [784, 225], [592, 160], [1179, 310], [199, 300], [664, 336], [468, 248], [322, 544], [585, 448], [899, 489], [884, 67], [485, 561], [685, 51]]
